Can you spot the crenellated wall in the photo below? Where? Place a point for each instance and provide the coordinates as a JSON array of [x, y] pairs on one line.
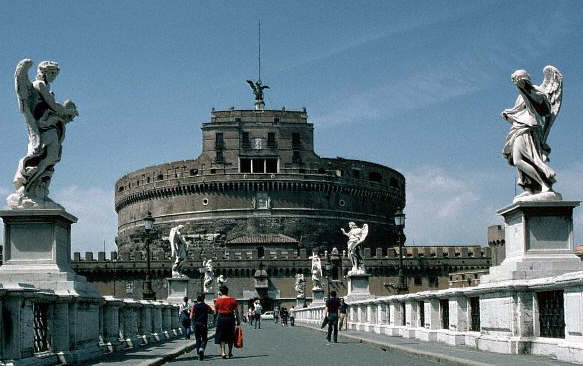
[[425, 268]]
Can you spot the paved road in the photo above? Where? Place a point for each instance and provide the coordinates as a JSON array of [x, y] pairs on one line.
[[298, 346]]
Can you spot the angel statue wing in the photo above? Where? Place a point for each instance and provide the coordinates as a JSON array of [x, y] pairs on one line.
[[26, 100], [552, 86], [171, 237], [252, 84], [363, 234]]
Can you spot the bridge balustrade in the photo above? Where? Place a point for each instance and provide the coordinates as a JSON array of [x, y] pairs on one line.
[[539, 316], [38, 326]]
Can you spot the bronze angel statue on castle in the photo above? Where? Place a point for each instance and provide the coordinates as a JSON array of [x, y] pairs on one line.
[[45, 120], [532, 117]]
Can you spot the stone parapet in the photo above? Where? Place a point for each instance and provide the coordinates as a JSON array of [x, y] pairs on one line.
[[68, 329], [512, 316]]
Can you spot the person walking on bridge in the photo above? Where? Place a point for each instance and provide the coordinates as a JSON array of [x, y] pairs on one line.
[[199, 316], [227, 313], [258, 311], [332, 306], [342, 312], [184, 317]]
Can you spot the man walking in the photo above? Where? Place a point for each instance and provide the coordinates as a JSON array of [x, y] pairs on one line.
[[342, 310], [199, 315], [258, 311], [332, 306], [184, 316], [292, 316]]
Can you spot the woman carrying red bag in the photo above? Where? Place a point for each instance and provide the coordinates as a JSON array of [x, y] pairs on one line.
[[226, 308]]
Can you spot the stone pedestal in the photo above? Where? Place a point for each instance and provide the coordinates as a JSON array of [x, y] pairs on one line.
[[539, 241], [317, 297], [300, 302], [209, 298], [358, 287], [177, 289], [37, 251]]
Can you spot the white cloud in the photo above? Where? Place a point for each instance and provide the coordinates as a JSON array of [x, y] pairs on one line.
[[445, 208], [94, 209]]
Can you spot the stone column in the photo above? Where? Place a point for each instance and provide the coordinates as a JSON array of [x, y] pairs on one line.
[[145, 321], [174, 320], [111, 323], [458, 320], [167, 320], [158, 327], [61, 324], [410, 319]]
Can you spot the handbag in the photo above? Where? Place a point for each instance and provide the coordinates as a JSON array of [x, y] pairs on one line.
[[324, 322], [238, 337]]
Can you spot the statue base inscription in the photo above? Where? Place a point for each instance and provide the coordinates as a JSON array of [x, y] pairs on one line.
[[539, 241], [177, 289], [37, 251], [317, 297], [358, 287]]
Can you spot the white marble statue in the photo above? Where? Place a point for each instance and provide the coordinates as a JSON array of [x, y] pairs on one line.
[[45, 121], [532, 117], [178, 246], [300, 285], [356, 236], [209, 275], [316, 272], [221, 280]]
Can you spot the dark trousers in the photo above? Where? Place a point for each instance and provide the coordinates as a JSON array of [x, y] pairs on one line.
[[332, 325], [257, 321], [186, 328], [292, 321], [251, 318], [201, 335]]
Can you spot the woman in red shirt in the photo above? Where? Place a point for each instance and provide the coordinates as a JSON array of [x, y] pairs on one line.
[[227, 312]]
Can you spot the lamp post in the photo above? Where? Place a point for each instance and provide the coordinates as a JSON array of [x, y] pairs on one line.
[[400, 224], [328, 268], [201, 271], [148, 293]]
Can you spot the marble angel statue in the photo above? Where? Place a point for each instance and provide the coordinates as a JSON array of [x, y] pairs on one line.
[[209, 275], [178, 247], [46, 120], [355, 236], [532, 117], [300, 285], [316, 272]]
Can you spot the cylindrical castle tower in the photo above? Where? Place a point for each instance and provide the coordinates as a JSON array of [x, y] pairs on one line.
[[258, 176]]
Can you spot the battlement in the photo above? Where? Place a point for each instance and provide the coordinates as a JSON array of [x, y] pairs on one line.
[[428, 252]]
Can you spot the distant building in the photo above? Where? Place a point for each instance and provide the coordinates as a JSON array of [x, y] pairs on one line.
[[497, 243]]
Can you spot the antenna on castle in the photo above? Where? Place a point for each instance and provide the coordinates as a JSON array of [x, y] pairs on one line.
[[259, 50], [257, 86]]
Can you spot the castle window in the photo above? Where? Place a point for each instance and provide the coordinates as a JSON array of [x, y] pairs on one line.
[[295, 140], [296, 158], [433, 281], [237, 119], [213, 171], [160, 176], [418, 281], [148, 180], [205, 201], [394, 183], [120, 189], [220, 157], [193, 171], [356, 173], [219, 142], [271, 165], [375, 176], [258, 166], [341, 203], [246, 143], [276, 119], [245, 165], [260, 252], [321, 171], [271, 140]]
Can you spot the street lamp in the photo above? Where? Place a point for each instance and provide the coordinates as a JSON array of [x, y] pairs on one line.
[[148, 293], [328, 268], [201, 271], [400, 224]]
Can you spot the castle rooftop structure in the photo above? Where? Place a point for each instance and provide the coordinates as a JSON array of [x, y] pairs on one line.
[[258, 174]]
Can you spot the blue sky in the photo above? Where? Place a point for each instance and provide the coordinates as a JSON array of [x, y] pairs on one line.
[[417, 86]]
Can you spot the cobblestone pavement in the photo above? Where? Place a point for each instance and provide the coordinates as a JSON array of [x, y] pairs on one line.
[[298, 346]]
